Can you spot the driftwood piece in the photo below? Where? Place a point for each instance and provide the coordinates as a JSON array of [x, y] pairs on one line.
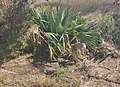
[[78, 51]]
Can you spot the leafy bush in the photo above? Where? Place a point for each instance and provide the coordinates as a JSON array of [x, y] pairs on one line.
[[106, 25], [55, 25], [13, 26], [110, 27], [116, 37], [116, 30]]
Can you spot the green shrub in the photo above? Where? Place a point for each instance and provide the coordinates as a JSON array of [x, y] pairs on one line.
[[56, 24]]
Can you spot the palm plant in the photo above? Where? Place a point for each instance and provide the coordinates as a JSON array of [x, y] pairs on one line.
[[56, 24], [85, 34]]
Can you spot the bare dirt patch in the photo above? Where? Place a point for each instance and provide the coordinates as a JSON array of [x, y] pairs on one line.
[[84, 74]]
